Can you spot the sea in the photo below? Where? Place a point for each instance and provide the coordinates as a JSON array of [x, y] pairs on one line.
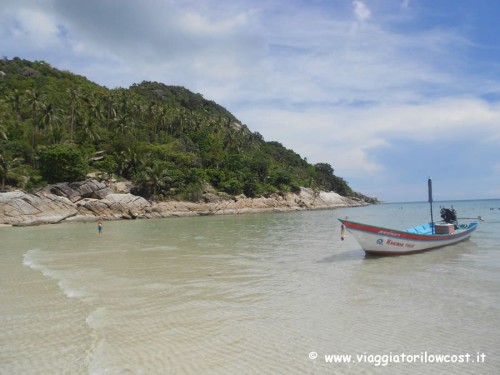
[[262, 293]]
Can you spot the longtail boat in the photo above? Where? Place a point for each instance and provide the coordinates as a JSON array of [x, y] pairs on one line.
[[384, 241]]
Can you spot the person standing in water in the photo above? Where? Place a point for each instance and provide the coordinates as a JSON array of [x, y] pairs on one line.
[[99, 227], [342, 232]]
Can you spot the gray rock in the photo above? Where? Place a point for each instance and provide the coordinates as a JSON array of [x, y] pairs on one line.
[[91, 189], [114, 206], [77, 191], [87, 200], [21, 208], [54, 203]]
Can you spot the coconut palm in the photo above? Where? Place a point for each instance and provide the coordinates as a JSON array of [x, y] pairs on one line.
[[90, 128], [165, 120], [3, 133], [50, 122], [35, 102], [7, 163], [155, 176], [15, 100], [95, 106], [111, 113], [74, 98], [3, 125]]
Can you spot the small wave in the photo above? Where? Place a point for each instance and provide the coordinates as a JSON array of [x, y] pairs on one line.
[[29, 259], [71, 292], [96, 318], [33, 259]]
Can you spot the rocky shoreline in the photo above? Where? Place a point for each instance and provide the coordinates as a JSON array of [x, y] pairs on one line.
[[92, 200]]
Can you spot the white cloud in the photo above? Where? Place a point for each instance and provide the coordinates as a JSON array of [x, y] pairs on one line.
[[315, 76], [202, 26], [362, 12], [32, 28], [346, 137]]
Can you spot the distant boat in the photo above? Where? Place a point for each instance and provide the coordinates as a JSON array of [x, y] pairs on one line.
[[385, 241]]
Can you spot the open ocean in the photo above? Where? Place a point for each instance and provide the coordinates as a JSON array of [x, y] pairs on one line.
[[271, 293]]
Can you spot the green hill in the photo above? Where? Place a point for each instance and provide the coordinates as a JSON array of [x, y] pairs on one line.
[[58, 126]]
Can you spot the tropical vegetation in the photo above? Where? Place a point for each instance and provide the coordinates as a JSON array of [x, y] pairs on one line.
[[57, 126]]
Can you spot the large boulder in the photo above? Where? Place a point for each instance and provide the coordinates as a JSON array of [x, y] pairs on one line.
[[309, 198], [19, 208], [126, 206], [70, 201], [76, 191]]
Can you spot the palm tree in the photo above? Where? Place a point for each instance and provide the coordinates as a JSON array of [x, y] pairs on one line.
[[232, 141], [7, 163], [217, 124], [124, 122], [15, 100], [90, 128], [74, 97], [152, 119], [111, 113], [51, 121], [3, 126], [3, 133], [155, 176], [165, 120], [95, 106], [34, 100], [180, 121], [126, 160]]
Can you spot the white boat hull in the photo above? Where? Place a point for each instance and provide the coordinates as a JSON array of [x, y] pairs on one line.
[[383, 241]]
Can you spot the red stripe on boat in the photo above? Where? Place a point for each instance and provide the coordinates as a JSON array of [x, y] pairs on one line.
[[402, 234]]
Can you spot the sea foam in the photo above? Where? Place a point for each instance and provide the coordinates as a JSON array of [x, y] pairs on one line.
[[35, 258]]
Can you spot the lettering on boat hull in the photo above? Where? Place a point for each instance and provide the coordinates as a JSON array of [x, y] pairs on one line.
[[400, 244]]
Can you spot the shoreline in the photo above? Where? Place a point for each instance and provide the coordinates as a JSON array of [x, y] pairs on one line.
[[91, 200]]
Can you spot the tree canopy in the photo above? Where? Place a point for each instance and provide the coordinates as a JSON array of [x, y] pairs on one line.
[[58, 126]]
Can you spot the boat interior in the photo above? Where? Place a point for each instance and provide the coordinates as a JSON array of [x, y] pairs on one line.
[[421, 229], [427, 228]]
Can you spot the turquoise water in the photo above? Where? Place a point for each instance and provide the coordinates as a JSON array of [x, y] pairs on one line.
[[274, 293]]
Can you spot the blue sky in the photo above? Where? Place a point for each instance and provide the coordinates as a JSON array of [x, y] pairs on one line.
[[389, 92]]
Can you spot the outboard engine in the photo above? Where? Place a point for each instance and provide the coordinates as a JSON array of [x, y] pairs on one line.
[[449, 215]]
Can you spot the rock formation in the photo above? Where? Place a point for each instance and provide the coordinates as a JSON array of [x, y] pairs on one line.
[[19, 208], [91, 199]]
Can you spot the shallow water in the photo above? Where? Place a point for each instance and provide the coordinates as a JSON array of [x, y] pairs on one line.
[[249, 294]]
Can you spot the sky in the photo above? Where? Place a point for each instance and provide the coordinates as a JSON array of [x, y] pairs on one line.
[[388, 92]]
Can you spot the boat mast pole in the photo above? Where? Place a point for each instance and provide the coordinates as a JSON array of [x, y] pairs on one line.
[[429, 183]]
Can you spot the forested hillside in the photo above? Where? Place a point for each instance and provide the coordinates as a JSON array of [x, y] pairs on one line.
[[58, 126]]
